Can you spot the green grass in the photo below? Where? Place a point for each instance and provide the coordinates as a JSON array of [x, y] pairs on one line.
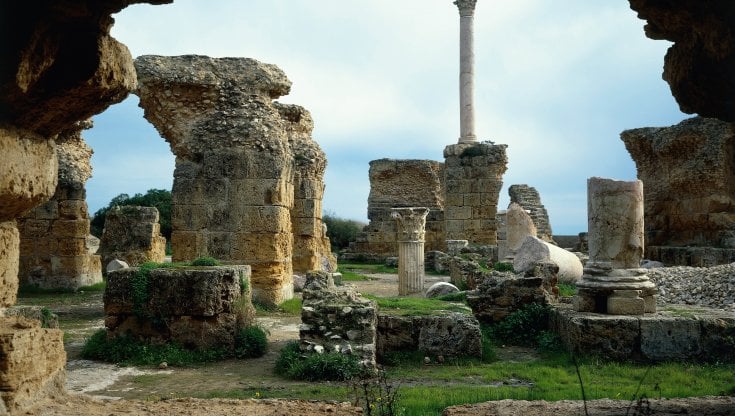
[[567, 289], [32, 290], [417, 306], [291, 306]]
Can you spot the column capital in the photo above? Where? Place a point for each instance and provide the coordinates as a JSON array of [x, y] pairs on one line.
[[466, 7], [411, 223]]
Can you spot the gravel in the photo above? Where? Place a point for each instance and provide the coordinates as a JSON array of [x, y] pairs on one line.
[[705, 286]]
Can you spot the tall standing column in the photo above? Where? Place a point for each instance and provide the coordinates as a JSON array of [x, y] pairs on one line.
[[466, 71], [410, 237]]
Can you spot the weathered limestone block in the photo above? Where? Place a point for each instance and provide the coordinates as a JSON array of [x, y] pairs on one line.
[[689, 176], [199, 307], [311, 245], [613, 281], [9, 240], [473, 179], [397, 184], [529, 198], [32, 365], [441, 289], [449, 335], [239, 158], [410, 236], [53, 249], [502, 293], [700, 65], [534, 250], [519, 225], [337, 320], [681, 333], [38, 313], [132, 234]]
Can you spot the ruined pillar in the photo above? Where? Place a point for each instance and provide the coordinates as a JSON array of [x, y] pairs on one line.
[[311, 246], [519, 225], [132, 234], [411, 224], [53, 236], [613, 281], [473, 178], [233, 191], [466, 71]]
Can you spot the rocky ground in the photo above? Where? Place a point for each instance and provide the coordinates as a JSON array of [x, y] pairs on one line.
[[705, 286]]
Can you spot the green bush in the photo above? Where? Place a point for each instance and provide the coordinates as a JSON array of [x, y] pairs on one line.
[[205, 261], [292, 363], [523, 326], [567, 289], [126, 350], [251, 342], [503, 267], [341, 231]]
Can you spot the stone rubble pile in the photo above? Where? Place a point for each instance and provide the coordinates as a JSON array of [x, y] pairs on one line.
[[705, 286]]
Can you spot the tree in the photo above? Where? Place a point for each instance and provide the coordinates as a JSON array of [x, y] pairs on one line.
[[341, 231], [158, 198]]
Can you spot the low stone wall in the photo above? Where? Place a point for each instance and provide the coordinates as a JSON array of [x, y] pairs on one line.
[[676, 333], [337, 319], [199, 307], [502, 293], [448, 335], [691, 256]]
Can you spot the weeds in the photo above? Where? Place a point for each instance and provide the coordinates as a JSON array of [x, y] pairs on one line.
[[566, 289], [377, 396], [503, 267], [294, 364], [251, 342], [205, 261]]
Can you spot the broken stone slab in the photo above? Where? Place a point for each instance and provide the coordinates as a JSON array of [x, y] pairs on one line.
[[534, 250], [115, 265], [502, 293], [441, 289]]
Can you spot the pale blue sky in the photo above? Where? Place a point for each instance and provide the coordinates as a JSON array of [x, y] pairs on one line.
[[555, 80]]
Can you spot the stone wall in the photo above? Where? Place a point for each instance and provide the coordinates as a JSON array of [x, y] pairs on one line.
[[337, 320], [689, 184], [311, 247], [473, 179], [53, 236], [132, 234], [198, 307], [529, 198], [399, 184]]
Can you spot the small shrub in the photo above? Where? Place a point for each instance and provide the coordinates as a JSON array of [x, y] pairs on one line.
[[567, 289], [251, 342], [503, 267], [549, 342], [523, 326], [377, 396], [205, 261], [316, 367]]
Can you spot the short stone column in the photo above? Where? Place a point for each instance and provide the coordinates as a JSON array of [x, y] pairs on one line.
[[410, 236], [613, 281]]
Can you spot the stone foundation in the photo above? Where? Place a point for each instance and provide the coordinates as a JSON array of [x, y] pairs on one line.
[[337, 320], [199, 307], [473, 179], [447, 335], [676, 333]]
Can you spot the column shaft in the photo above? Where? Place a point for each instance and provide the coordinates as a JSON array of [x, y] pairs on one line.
[[410, 267]]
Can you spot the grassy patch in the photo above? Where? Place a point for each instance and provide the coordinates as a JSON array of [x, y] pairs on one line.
[[32, 290], [417, 306], [127, 350], [294, 364], [291, 306], [567, 289], [251, 342], [453, 297]]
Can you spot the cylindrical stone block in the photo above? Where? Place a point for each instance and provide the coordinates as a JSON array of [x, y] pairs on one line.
[[411, 224], [466, 71], [615, 223]]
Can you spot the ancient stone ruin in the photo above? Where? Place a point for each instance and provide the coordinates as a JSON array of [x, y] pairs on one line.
[[529, 198], [132, 234], [410, 236], [54, 250], [613, 281], [518, 225], [399, 184], [689, 179], [239, 160], [198, 307]]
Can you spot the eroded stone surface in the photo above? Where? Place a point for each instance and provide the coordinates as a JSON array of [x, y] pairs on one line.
[[529, 198], [700, 65], [54, 251], [402, 183], [519, 225], [534, 250], [688, 175], [132, 234], [501, 293]]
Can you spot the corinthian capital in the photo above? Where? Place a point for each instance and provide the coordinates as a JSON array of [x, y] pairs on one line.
[[466, 7]]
